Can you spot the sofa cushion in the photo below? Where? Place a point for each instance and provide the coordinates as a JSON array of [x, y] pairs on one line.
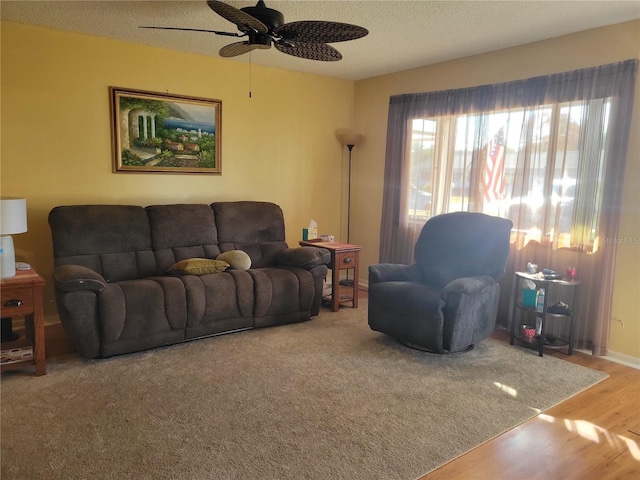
[[198, 266], [112, 240], [182, 231], [282, 295], [140, 314], [256, 228], [220, 302], [236, 259]]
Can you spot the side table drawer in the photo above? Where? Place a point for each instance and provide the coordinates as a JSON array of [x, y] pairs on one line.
[[346, 260], [16, 301]]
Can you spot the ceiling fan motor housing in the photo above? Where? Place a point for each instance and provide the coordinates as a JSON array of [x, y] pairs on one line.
[[270, 17]]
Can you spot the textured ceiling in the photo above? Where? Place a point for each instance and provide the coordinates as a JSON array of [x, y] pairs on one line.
[[403, 34]]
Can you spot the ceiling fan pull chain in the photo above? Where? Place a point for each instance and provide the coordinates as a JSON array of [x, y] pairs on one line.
[[249, 74]]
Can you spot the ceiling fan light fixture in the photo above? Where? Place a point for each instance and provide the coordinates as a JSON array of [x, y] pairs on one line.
[[260, 40]]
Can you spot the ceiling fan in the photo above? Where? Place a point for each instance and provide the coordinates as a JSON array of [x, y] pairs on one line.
[[265, 26]]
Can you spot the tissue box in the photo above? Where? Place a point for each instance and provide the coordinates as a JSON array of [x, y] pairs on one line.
[[310, 233], [529, 297]]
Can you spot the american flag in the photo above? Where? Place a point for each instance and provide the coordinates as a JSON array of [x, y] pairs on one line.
[[493, 180]]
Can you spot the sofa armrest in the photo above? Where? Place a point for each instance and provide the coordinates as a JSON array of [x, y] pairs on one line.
[[303, 257], [392, 272], [71, 278]]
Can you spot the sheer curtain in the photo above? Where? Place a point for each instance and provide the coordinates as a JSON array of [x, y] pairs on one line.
[[547, 152]]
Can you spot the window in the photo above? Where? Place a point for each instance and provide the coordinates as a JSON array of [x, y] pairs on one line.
[[547, 152], [541, 167]]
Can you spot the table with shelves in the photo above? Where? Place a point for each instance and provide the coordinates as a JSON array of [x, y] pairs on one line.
[[344, 257], [21, 296], [564, 289]]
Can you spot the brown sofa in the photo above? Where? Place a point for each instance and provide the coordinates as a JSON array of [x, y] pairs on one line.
[[115, 295]]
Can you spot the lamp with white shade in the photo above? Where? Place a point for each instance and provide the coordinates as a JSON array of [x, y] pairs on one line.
[[13, 220]]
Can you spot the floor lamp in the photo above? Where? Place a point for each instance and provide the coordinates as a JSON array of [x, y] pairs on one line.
[[349, 140]]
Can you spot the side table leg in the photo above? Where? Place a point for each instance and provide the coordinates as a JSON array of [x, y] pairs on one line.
[[574, 316], [38, 334], [356, 278], [335, 288]]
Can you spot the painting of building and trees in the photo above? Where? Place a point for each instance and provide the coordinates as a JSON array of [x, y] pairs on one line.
[[165, 135]]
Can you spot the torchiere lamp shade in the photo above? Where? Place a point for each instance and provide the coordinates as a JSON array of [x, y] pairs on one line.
[[350, 139]]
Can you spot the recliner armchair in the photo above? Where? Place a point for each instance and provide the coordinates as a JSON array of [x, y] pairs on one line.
[[447, 301]]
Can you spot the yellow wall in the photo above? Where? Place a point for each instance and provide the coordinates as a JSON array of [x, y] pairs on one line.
[[580, 50], [277, 146]]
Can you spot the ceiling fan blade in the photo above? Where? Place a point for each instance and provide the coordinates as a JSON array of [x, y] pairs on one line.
[[317, 31], [228, 34], [240, 48], [310, 51], [245, 22]]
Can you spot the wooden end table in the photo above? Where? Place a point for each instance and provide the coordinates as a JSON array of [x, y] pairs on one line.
[[344, 256], [21, 296]]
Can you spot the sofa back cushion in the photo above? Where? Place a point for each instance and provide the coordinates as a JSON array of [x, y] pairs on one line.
[[254, 227], [113, 240], [182, 231]]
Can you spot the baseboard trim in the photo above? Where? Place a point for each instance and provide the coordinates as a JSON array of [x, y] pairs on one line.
[[616, 357], [624, 359]]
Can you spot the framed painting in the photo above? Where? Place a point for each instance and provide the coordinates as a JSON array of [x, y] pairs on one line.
[[165, 133]]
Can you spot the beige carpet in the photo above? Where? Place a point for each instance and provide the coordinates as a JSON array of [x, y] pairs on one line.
[[324, 399]]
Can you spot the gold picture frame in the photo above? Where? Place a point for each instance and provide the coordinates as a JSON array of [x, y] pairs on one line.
[[165, 133]]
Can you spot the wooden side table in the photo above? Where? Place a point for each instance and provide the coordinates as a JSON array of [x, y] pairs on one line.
[[21, 296], [344, 256]]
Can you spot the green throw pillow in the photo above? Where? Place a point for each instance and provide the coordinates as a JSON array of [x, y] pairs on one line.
[[236, 259], [198, 266]]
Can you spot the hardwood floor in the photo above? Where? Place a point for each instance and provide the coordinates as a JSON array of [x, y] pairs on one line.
[[594, 435]]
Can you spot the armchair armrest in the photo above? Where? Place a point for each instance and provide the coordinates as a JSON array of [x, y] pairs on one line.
[[71, 278], [391, 272], [303, 257]]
